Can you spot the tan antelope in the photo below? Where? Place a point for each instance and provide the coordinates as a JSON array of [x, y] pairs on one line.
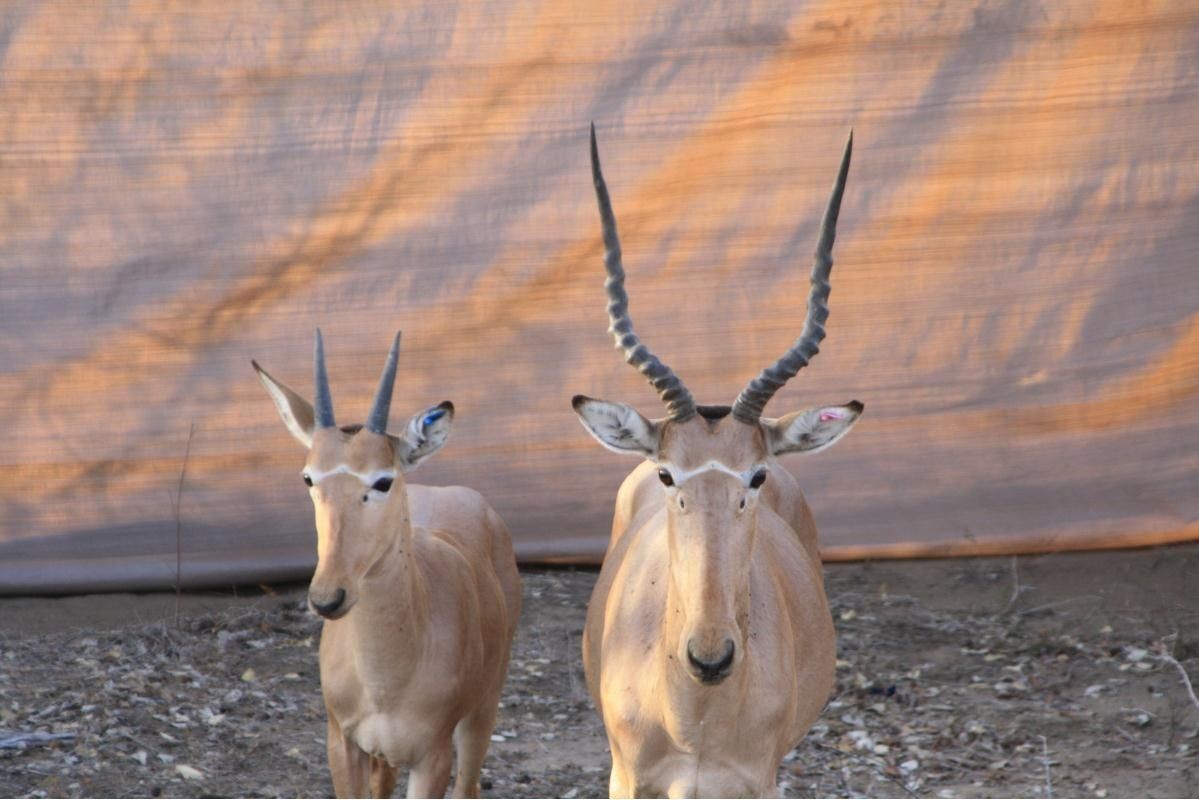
[[709, 648], [420, 594]]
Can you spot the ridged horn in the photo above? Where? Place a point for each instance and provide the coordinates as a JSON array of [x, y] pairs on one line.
[[323, 402], [679, 404], [377, 420], [757, 394]]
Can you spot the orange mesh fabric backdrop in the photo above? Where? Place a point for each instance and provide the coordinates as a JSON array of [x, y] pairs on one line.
[[185, 188]]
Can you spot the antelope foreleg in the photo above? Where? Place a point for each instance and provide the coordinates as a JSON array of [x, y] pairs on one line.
[[431, 775], [349, 766], [383, 778], [620, 781], [472, 737]]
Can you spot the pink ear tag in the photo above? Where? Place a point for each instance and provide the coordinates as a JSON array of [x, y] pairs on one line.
[[830, 414]]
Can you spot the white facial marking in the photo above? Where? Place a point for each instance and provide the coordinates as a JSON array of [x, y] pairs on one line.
[[369, 478], [681, 477]]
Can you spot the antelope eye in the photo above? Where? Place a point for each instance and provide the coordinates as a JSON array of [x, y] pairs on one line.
[[666, 478], [307, 479], [758, 479], [382, 485]]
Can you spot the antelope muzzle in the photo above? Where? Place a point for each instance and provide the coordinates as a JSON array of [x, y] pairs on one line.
[[328, 605], [708, 669]]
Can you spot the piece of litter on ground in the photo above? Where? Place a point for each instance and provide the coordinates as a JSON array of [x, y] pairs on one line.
[[21, 740]]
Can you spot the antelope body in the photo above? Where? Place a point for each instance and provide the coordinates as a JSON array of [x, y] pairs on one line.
[[420, 594], [709, 649]]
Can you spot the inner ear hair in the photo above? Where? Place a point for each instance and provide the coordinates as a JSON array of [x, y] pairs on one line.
[[618, 427], [425, 434], [813, 429], [295, 411]]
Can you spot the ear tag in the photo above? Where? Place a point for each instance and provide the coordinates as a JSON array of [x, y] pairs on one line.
[[828, 416], [433, 417]]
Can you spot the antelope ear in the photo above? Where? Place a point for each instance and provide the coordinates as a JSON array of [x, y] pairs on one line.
[[812, 429], [618, 427], [425, 434], [295, 410]]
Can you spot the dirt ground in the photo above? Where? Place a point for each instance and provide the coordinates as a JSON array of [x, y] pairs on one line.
[[1035, 676]]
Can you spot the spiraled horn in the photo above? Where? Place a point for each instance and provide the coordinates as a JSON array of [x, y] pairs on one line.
[[679, 404], [377, 421], [757, 394], [323, 402]]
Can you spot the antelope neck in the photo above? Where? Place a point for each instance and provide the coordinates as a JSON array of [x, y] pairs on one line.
[[394, 594]]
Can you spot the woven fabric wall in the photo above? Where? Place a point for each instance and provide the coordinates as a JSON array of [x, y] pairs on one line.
[[188, 186]]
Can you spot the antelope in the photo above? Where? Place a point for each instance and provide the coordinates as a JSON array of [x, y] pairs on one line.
[[419, 593], [709, 648]]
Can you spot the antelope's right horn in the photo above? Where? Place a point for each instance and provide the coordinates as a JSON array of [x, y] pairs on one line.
[[323, 402], [679, 404]]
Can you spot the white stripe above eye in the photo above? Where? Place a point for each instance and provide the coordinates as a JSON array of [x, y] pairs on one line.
[[680, 477], [368, 478]]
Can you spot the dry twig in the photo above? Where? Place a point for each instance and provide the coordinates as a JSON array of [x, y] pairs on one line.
[[191, 431], [1045, 761], [1186, 679]]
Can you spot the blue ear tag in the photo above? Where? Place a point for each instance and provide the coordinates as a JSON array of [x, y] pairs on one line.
[[433, 417]]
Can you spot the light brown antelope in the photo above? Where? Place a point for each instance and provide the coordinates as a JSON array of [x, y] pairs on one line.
[[420, 594], [709, 648]]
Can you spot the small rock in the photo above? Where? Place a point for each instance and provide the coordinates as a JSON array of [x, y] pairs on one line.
[[188, 773], [1139, 718], [1010, 687], [861, 740]]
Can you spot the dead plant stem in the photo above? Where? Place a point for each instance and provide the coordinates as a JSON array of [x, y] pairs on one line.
[[191, 431], [1186, 679]]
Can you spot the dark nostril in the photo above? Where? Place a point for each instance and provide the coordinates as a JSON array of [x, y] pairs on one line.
[[713, 671], [325, 609]]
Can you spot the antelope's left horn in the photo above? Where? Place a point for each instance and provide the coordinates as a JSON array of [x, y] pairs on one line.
[[757, 394], [376, 422]]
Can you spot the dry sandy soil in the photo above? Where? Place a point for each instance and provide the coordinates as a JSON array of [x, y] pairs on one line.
[[1035, 676]]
